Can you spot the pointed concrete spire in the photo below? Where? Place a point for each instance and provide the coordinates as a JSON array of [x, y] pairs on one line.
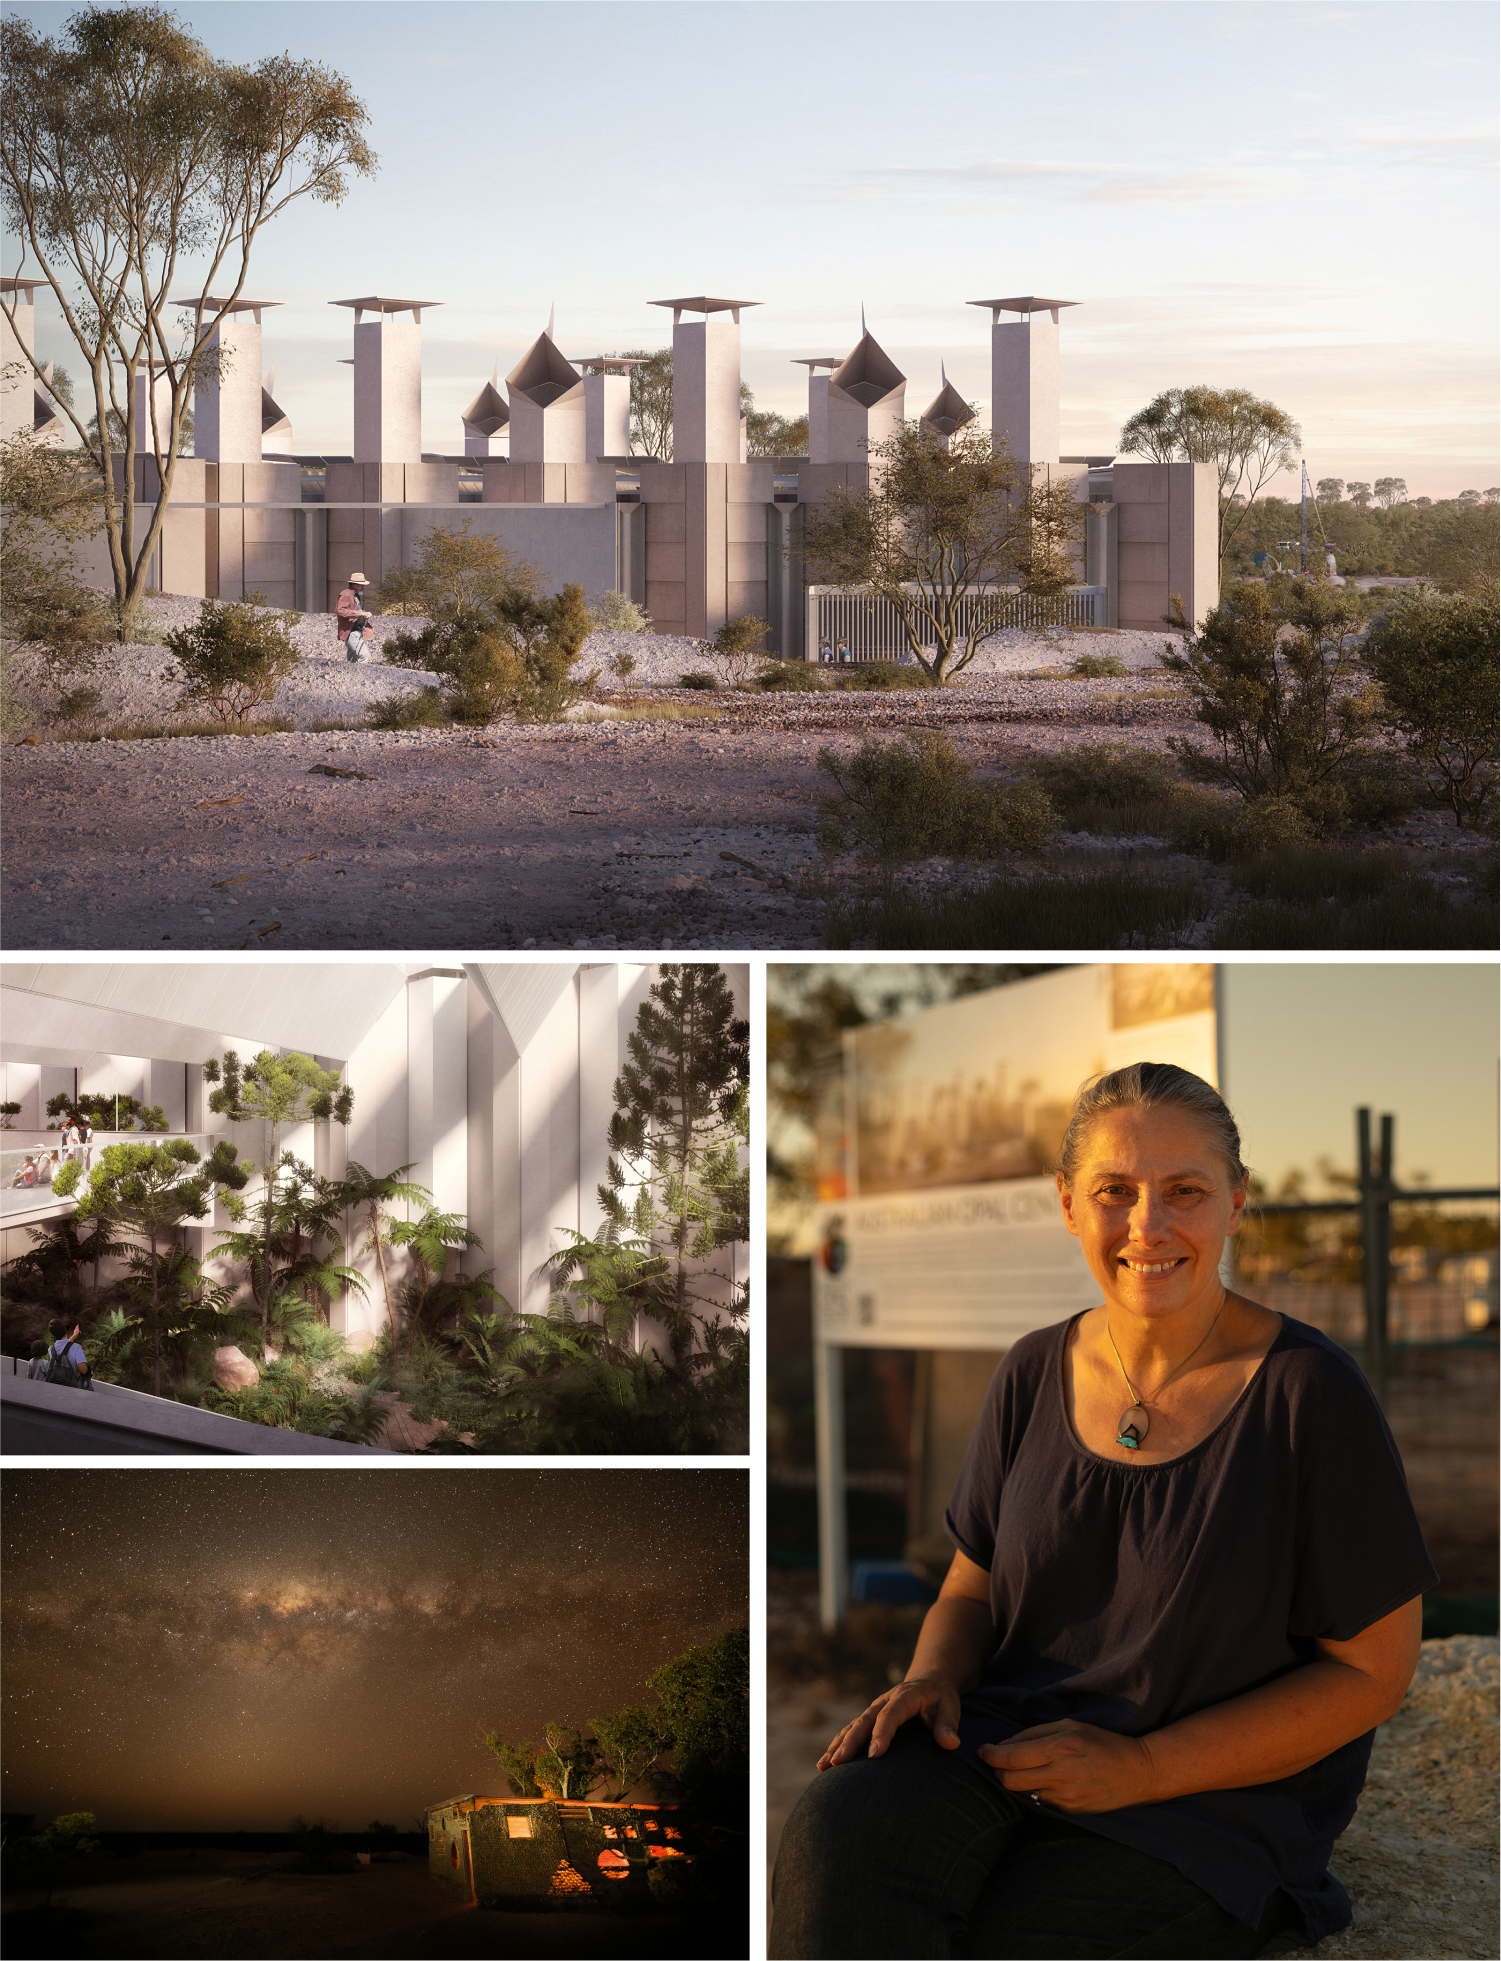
[[864, 330], [269, 384], [551, 319]]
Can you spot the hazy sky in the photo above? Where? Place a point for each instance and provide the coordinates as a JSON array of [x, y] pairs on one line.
[[1307, 1043], [226, 1649], [1299, 200]]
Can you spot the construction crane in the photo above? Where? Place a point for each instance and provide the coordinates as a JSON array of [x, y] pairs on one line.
[[1300, 543]]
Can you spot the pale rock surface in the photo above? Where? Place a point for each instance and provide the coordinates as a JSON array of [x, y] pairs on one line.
[[234, 1370]]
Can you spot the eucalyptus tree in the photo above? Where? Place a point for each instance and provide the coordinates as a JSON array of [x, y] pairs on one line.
[[128, 155], [947, 533], [1248, 441]]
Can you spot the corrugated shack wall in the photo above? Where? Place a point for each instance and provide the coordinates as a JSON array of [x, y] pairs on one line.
[[508, 1869]]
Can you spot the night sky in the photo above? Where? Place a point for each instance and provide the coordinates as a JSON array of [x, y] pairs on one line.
[[225, 1649]]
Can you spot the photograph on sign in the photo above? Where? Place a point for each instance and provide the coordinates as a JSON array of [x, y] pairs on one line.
[[936, 1143]]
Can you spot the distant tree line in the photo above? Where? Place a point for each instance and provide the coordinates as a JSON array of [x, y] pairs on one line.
[[1453, 541]]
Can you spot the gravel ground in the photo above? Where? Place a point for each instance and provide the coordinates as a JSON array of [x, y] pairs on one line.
[[1419, 1857], [610, 833], [329, 687]]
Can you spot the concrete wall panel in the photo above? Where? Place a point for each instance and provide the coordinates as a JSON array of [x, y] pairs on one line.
[[665, 562], [744, 562], [746, 523], [666, 523], [667, 604]]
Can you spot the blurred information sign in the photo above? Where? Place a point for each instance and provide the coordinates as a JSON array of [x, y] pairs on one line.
[[939, 1225], [972, 1266]]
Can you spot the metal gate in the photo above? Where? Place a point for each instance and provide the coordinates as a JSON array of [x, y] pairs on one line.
[[870, 626]]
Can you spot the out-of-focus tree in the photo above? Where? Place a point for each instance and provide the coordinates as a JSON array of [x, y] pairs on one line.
[[1330, 489], [1249, 441], [808, 1008], [1435, 657], [1390, 490], [1360, 495]]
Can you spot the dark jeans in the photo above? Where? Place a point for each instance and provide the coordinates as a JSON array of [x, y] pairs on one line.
[[922, 1852]]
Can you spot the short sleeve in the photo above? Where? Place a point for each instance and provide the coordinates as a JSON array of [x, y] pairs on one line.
[[973, 1509], [1361, 1552]]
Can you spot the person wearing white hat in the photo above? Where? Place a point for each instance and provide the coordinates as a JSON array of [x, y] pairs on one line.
[[356, 630]]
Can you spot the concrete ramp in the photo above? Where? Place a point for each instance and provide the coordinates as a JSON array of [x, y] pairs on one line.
[[44, 1419]]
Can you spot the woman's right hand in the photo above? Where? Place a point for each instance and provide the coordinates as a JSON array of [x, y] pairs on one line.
[[933, 1697]]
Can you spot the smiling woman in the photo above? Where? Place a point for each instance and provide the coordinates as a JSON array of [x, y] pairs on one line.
[[1140, 1711]]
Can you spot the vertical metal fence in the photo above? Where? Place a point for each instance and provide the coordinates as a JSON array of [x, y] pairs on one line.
[[870, 627]]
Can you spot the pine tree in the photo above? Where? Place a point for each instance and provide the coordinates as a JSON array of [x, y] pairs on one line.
[[678, 1176]]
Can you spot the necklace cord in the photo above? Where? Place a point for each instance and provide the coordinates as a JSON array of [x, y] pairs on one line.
[[1136, 1401]]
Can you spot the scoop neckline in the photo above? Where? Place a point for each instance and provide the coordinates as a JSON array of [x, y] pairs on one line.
[[1160, 1463]]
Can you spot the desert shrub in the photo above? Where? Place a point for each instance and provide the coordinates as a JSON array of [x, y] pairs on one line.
[[515, 653], [789, 676], [453, 572], [16, 712], [916, 797], [1434, 657], [613, 612], [52, 504], [1276, 678], [77, 710], [1094, 774], [699, 680], [1329, 899], [1097, 667], [234, 658], [736, 648], [1103, 909], [878, 674], [1381, 788], [423, 710]]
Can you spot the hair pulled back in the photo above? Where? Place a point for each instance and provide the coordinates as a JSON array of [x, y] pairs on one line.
[[1151, 1086]]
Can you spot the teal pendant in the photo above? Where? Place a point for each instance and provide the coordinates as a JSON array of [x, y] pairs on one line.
[[1133, 1427]]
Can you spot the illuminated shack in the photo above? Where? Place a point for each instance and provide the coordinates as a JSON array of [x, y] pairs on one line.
[[547, 1854]]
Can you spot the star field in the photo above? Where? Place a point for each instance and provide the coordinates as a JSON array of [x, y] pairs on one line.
[[217, 1649]]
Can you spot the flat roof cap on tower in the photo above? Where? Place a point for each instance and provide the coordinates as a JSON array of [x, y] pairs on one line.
[[608, 360], [213, 305], [26, 286], [705, 305], [375, 304], [811, 361], [1026, 303]]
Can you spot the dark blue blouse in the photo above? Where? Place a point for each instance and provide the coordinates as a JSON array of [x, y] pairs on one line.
[[1129, 1595]]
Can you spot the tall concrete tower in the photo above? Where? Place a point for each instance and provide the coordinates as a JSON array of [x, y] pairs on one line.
[[547, 406], [607, 402], [387, 379], [706, 380], [1024, 376], [818, 402], [948, 411], [24, 401], [867, 399], [230, 408]]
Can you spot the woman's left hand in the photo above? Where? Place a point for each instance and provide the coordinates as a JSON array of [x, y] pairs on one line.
[[1074, 1766]]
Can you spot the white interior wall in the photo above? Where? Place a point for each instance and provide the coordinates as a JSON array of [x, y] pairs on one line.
[[515, 1140]]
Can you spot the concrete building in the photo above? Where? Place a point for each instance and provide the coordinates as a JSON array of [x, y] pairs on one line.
[[24, 401], [545, 1854], [705, 538], [492, 1080]]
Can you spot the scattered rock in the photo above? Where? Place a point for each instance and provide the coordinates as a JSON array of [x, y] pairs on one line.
[[234, 1369]]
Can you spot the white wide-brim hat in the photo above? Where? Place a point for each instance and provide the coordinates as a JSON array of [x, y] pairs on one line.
[[358, 579]]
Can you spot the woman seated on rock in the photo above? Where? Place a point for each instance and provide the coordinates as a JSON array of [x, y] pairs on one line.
[[1187, 1590]]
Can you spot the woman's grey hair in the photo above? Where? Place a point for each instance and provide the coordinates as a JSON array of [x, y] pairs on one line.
[[1151, 1086]]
